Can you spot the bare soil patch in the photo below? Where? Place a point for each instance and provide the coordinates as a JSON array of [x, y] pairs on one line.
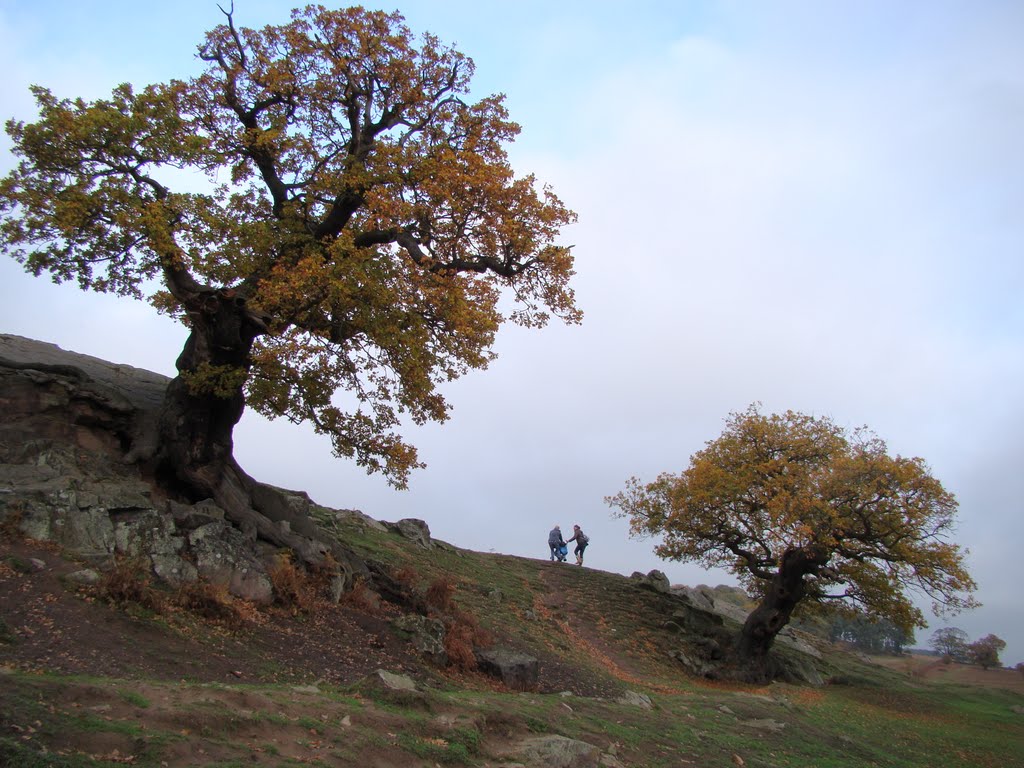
[[50, 626]]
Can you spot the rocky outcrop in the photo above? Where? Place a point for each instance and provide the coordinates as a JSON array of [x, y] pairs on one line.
[[71, 429], [415, 530], [426, 635], [695, 621], [655, 580], [707, 599], [382, 680], [733, 604]]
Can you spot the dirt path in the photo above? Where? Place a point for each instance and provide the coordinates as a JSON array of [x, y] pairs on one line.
[[572, 602]]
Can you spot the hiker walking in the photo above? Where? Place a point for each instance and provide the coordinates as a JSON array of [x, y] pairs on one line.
[[555, 543], [581, 540]]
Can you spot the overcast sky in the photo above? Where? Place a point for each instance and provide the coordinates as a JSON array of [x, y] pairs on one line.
[[814, 205]]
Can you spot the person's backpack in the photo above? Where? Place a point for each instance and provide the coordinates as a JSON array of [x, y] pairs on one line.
[[583, 538], [563, 549]]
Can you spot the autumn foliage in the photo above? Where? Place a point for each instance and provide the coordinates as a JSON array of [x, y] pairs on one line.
[[339, 243], [985, 651], [803, 511]]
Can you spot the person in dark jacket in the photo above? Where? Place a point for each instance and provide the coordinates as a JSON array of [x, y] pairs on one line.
[[555, 543], [581, 540]]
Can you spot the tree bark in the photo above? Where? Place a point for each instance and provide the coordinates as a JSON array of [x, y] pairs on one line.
[[188, 445], [784, 592], [192, 456], [195, 425]]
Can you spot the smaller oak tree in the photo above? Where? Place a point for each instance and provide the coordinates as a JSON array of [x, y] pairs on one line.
[[805, 513], [985, 652]]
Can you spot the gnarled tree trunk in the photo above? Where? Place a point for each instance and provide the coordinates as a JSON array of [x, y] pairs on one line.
[[783, 594], [196, 422], [192, 456]]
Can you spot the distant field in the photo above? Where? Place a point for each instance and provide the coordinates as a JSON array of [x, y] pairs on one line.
[[934, 669]]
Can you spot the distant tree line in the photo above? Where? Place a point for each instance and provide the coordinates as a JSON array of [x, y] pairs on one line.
[[952, 643], [879, 636]]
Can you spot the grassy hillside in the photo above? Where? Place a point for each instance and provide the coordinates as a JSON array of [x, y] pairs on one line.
[[150, 682]]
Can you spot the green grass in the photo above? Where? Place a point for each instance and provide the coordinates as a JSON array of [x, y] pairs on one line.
[[6, 635], [845, 726], [876, 717], [439, 751], [21, 755], [95, 723], [135, 699]]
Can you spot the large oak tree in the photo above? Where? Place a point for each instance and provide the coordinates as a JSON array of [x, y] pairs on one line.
[[804, 512], [356, 225]]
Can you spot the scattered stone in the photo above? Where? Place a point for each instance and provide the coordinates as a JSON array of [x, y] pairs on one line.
[[389, 680], [395, 689], [518, 671], [86, 577], [766, 724], [557, 752], [19, 564], [634, 699], [694, 666]]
